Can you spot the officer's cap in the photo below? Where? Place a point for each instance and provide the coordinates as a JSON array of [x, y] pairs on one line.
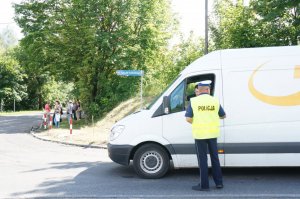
[[204, 83]]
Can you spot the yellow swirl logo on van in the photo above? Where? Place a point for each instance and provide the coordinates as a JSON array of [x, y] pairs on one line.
[[288, 100]]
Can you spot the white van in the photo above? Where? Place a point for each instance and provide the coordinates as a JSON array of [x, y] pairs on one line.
[[259, 89]]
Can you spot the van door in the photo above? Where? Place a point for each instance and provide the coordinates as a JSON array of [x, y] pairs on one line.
[[175, 128]]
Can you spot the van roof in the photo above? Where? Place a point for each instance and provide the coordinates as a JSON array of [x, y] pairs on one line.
[[219, 59]]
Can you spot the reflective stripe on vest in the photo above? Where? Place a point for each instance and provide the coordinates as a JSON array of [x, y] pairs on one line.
[[206, 121]]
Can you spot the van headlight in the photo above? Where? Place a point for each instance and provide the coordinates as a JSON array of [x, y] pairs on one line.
[[116, 131]]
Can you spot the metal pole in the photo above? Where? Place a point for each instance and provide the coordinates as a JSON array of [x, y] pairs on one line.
[[206, 28], [14, 105]]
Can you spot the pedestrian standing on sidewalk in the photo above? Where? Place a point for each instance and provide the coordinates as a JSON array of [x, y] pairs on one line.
[[70, 110], [61, 110], [204, 113], [78, 112], [57, 111], [47, 111], [74, 109]]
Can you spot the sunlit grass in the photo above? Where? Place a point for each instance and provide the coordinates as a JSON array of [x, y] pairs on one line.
[[77, 124]]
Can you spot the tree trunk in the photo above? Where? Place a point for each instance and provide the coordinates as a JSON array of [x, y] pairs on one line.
[[40, 102], [95, 85]]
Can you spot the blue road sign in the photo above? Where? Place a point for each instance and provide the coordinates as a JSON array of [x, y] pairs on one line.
[[136, 73]]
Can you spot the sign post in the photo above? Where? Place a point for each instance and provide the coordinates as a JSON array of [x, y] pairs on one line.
[[133, 73]]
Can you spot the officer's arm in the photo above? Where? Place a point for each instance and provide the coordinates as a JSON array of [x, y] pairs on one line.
[[189, 114], [189, 120]]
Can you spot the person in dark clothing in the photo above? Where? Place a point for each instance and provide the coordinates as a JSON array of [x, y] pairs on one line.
[[74, 109]]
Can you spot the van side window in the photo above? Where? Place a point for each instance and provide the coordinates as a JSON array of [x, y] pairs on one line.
[[193, 81], [180, 97], [177, 98]]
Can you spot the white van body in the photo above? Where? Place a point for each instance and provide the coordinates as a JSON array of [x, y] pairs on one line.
[[259, 89]]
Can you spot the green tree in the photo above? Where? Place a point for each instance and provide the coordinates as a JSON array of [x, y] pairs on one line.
[[56, 90], [262, 23], [170, 62], [232, 25], [85, 42], [32, 51], [36, 77], [279, 21], [12, 87], [11, 81]]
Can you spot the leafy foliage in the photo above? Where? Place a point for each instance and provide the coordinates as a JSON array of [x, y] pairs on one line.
[[280, 21], [55, 90], [85, 42], [263, 23], [11, 80], [170, 62]]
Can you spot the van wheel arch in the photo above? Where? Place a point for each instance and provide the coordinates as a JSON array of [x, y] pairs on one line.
[[151, 160], [143, 143]]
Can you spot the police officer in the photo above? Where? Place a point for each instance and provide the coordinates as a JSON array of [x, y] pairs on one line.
[[204, 113]]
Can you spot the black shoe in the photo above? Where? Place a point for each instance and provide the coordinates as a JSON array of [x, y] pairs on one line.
[[198, 188], [219, 186]]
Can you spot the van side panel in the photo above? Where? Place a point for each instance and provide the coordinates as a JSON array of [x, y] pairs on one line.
[[263, 110]]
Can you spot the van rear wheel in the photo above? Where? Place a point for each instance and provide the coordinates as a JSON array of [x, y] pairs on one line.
[[151, 161]]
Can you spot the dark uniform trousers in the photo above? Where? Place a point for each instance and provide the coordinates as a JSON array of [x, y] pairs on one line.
[[201, 148]]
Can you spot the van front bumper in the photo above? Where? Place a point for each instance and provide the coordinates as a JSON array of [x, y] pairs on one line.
[[119, 153]]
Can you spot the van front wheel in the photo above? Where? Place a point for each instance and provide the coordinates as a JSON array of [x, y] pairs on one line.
[[151, 161]]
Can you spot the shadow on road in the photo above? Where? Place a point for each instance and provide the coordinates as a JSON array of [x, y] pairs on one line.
[[101, 179], [18, 124]]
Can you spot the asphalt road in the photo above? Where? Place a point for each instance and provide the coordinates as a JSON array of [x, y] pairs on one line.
[[33, 168]]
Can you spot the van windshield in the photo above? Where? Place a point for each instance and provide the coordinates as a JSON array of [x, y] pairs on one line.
[[158, 96]]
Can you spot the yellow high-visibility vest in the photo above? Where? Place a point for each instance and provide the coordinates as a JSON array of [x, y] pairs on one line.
[[206, 121]]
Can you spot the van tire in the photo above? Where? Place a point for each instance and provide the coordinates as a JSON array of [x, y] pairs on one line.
[[151, 161]]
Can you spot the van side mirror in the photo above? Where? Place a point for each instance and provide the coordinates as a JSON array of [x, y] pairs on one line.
[[166, 105]]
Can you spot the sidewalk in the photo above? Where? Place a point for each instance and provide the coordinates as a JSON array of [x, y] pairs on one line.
[[97, 136], [85, 137]]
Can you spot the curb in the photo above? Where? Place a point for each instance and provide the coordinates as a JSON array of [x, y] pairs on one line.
[[67, 143]]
